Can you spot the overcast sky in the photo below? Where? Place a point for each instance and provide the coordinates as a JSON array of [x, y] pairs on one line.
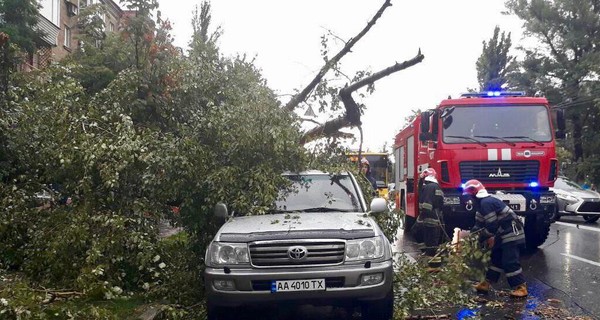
[[285, 37]]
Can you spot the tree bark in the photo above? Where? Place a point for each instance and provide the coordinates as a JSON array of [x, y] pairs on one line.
[[303, 95]]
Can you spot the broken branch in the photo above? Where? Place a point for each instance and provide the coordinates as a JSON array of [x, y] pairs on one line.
[[302, 95], [352, 115]]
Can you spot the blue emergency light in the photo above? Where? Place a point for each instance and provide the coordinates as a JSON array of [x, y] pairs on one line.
[[534, 184], [493, 94]]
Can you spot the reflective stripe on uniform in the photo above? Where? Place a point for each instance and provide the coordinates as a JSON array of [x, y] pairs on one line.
[[479, 217], [439, 193], [510, 237], [431, 222], [435, 262], [496, 269], [427, 206], [514, 273], [504, 213], [491, 218]]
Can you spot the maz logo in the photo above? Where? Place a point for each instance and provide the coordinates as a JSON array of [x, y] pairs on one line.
[[499, 174]]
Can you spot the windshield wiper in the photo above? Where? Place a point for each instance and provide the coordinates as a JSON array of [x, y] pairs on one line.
[[469, 138], [283, 211], [326, 209], [525, 137], [510, 143]]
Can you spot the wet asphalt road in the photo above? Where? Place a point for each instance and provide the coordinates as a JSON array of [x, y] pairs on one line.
[[568, 266], [563, 273]]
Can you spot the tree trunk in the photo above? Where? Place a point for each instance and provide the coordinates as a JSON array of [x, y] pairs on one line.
[[577, 133]]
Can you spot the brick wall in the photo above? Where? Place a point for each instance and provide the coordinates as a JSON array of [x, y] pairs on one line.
[[66, 20]]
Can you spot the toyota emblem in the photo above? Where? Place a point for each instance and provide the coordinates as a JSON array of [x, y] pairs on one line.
[[297, 253]]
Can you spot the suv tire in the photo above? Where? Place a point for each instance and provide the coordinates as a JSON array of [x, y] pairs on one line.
[[537, 228], [217, 313], [590, 218], [379, 309]]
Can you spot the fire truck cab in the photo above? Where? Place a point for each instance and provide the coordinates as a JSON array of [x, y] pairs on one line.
[[503, 139]]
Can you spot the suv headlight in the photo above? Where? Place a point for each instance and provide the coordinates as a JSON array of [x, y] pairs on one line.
[[221, 253], [364, 249]]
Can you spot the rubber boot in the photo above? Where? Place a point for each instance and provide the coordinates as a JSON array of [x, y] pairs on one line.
[[434, 264], [520, 291], [482, 287]]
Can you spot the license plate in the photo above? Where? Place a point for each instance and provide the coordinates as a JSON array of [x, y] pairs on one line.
[[298, 285], [515, 206]]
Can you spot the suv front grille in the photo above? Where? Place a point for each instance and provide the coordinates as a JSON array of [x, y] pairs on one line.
[[276, 253], [589, 206]]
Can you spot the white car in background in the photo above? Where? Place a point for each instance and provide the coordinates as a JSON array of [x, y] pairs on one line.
[[573, 200]]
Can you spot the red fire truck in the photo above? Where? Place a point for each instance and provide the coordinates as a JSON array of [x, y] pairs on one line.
[[503, 139]]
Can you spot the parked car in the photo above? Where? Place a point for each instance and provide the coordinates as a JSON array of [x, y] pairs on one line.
[[573, 200], [318, 245]]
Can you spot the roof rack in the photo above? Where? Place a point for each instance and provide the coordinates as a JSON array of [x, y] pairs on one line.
[[493, 94]]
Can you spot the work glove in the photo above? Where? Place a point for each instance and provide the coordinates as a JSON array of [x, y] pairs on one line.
[[489, 243]]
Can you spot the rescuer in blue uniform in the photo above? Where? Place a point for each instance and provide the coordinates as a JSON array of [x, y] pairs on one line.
[[502, 232], [429, 222]]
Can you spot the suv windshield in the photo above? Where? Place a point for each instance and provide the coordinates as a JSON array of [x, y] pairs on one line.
[[318, 193], [506, 124]]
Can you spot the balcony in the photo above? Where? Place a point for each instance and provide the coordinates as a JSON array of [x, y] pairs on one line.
[[49, 29]]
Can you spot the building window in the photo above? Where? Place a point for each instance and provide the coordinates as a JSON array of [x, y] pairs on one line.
[[50, 9], [67, 37], [85, 3], [112, 27], [72, 9]]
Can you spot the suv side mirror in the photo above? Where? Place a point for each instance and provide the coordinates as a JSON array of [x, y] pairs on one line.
[[221, 211], [378, 205]]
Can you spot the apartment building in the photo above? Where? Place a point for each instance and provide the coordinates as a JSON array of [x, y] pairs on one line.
[[59, 21]]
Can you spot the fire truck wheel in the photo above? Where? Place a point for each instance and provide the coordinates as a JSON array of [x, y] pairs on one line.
[[408, 222], [536, 231]]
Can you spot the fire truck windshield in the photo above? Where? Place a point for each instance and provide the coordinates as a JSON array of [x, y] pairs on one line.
[[506, 124]]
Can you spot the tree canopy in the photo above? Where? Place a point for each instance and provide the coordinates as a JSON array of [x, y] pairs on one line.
[[495, 64], [564, 66]]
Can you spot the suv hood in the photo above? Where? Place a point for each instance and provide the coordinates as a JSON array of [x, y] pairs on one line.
[[583, 194], [340, 225]]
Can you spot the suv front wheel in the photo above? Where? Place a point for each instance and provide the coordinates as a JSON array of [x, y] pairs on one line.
[[379, 309], [218, 313]]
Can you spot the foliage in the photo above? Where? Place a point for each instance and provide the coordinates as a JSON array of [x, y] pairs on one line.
[[181, 281], [417, 289], [19, 300], [158, 131], [19, 19], [18, 33], [100, 56], [495, 65], [564, 63]]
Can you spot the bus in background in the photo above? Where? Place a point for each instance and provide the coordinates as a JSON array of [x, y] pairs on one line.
[[381, 168]]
